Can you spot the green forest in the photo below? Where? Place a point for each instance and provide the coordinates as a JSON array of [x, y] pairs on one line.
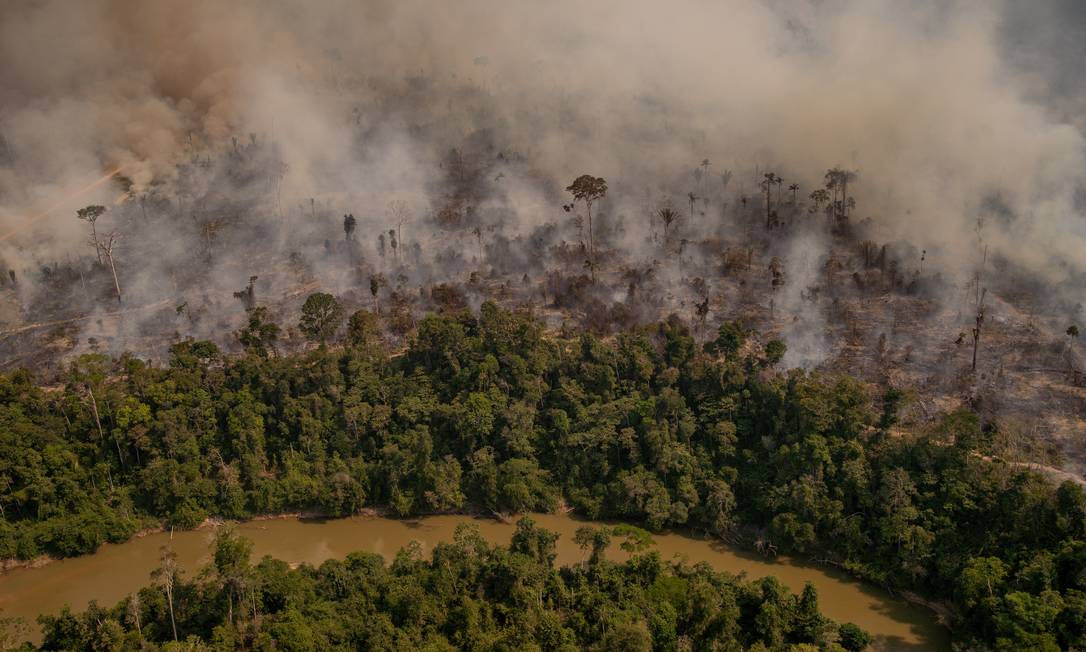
[[491, 413]]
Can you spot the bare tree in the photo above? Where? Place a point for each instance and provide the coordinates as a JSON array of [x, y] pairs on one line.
[[400, 213], [166, 574], [105, 247], [132, 612]]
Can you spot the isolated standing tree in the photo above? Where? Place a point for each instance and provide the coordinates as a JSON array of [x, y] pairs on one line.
[[105, 247], [349, 224], [1072, 335], [321, 316], [795, 190], [588, 189], [91, 214]]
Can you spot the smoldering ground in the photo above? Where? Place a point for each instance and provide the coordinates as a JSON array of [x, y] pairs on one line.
[[246, 130]]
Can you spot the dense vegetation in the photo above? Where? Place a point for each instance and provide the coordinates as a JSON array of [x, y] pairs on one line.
[[468, 596], [490, 413]]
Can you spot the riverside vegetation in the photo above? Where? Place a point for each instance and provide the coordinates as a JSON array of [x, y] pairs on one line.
[[490, 413]]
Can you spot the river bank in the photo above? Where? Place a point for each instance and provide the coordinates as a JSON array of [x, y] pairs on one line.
[[118, 569]]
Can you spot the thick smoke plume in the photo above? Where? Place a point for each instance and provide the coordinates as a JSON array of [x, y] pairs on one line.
[[957, 117]]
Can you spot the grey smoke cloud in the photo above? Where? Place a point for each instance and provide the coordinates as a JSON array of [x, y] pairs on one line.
[[945, 109]]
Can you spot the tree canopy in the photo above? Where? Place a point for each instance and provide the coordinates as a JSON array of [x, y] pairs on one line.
[[486, 413]]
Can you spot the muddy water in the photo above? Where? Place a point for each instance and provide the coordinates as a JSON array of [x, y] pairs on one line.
[[116, 570]]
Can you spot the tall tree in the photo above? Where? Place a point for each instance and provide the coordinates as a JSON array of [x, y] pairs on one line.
[[588, 189], [90, 214], [166, 575], [231, 562], [321, 316]]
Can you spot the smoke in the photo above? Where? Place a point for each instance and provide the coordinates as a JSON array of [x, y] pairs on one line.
[[246, 129]]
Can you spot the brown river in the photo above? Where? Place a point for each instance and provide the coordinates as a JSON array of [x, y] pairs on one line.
[[117, 570]]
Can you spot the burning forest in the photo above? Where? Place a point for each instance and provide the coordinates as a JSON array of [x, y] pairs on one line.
[[895, 192]]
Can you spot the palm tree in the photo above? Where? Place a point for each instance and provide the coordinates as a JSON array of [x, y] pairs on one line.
[[795, 189], [667, 216]]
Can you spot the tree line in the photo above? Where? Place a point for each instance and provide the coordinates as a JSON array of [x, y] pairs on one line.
[[490, 413]]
